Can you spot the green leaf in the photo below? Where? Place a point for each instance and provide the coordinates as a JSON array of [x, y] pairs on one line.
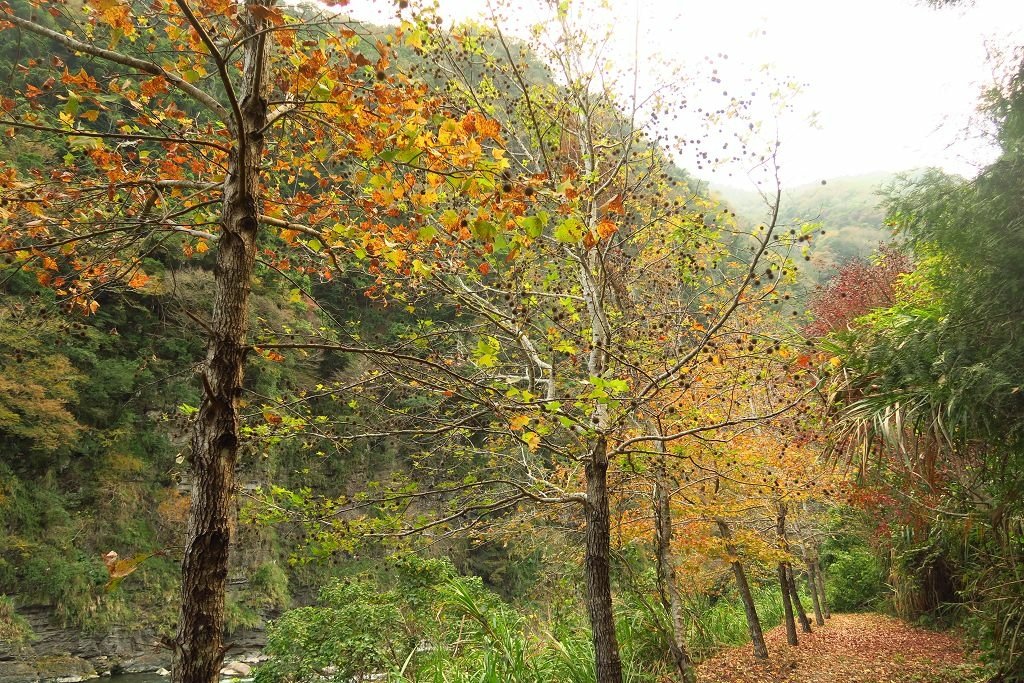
[[71, 107], [531, 225], [485, 231], [569, 231], [486, 352], [617, 386], [79, 142]]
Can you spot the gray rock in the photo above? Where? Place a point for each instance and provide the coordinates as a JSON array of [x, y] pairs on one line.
[[236, 670], [65, 669], [17, 672], [146, 663]]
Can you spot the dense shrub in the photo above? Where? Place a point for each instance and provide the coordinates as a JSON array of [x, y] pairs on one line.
[[855, 581]]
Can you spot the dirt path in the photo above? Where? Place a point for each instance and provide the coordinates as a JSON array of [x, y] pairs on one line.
[[850, 648]]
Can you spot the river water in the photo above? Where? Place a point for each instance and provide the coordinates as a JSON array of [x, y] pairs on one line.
[[139, 678], [151, 678]]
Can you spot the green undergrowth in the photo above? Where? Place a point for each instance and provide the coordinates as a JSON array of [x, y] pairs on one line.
[[416, 619]]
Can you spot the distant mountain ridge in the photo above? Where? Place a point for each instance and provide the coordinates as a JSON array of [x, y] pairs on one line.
[[848, 210]]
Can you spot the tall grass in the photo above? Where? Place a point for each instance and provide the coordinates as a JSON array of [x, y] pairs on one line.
[[717, 623], [490, 642]]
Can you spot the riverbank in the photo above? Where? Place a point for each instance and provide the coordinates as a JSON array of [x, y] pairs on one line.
[[62, 655]]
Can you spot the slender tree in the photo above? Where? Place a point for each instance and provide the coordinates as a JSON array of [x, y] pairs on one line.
[[743, 587], [666, 564], [812, 588], [819, 580], [782, 570], [805, 623]]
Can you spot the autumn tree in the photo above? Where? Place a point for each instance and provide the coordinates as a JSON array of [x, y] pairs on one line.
[[566, 310], [858, 287], [229, 128]]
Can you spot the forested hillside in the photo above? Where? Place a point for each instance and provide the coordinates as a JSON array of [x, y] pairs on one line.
[[849, 209], [413, 352]]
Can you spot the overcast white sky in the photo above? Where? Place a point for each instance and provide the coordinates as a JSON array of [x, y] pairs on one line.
[[890, 83]]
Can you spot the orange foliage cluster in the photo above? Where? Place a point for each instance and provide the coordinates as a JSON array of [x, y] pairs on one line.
[[363, 156]]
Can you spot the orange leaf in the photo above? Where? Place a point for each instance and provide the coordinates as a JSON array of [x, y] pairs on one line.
[[266, 13], [484, 268], [139, 279], [519, 422], [615, 205], [606, 228]]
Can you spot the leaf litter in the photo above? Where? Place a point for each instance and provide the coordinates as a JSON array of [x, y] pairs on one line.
[[850, 648]]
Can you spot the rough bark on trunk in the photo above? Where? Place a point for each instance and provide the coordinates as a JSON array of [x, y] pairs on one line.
[[819, 580], [198, 649], [805, 623], [813, 589], [668, 589], [598, 567], [749, 608]]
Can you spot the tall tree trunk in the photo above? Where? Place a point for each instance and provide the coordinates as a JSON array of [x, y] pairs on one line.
[[787, 604], [805, 623], [597, 567], [813, 589], [819, 580], [198, 649], [668, 589], [749, 608], [607, 665]]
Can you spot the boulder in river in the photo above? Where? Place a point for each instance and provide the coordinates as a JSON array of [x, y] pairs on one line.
[[236, 670]]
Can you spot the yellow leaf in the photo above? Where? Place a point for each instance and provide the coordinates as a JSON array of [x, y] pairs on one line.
[[532, 441]]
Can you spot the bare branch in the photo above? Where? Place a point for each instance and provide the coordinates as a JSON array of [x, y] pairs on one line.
[[222, 67], [112, 136]]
